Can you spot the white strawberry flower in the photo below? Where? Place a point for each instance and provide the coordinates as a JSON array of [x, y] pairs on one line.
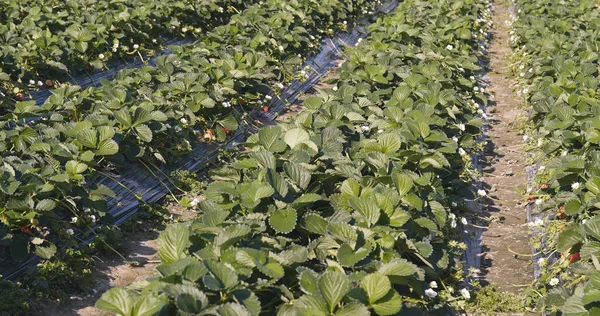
[[280, 48], [220, 9], [455, 139], [39, 83], [461, 127], [280, 85], [136, 46], [449, 47], [454, 204], [194, 202], [184, 29], [226, 104], [539, 202], [70, 231], [183, 120], [553, 281], [334, 88], [525, 138], [465, 293], [461, 152], [31, 82], [365, 128], [542, 168], [481, 193], [431, 293], [74, 219], [268, 97], [93, 218], [575, 186], [154, 40], [101, 56], [541, 260], [433, 285], [464, 221]]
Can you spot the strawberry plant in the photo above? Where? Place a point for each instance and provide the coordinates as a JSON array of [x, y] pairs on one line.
[[53, 155], [351, 207], [556, 62]]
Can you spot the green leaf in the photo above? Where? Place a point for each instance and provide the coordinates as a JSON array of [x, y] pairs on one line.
[[283, 221], [298, 174], [107, 148], [269, 137], [221, 276], [333, 286], [308, 282], [388, 305], [149, 305], [296, 136], [144, 133], [403, 183], [572, 207], [593, 185], [348, 257], [73, 167], [117, 300], [315, 224], [172, 243], [376, 285], [367, 208], [277, 182], [45, 252], [311, 305], [248, 299], [569, 237], [398, 267], [353, 309], [45, 205], [305, 199]]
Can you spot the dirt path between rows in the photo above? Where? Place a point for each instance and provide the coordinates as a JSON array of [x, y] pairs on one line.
[[503, 168]]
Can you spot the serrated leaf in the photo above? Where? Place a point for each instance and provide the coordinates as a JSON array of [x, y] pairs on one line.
[[403, 183], [376, 285], [298, 174], [308, 282], [172, 243], [117, 300], [45, 252], [296, 136], [333, 286], [367, 208], [283, 220], [248, 299], [221, 276], [388, 305], [315, 224]]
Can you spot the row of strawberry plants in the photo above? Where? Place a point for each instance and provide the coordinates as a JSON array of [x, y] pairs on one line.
[[46, 42], [351, 207], [151, 113], [556, 62]]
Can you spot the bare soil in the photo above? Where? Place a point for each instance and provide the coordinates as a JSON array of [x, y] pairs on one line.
[[506, 263], [113, 271]]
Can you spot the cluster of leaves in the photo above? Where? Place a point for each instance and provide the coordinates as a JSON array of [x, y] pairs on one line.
[[47, 41], [347, 208], [44, 163], [556, 61]]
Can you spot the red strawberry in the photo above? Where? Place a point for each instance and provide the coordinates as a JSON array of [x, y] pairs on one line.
[[20, 96], [226, 130], [574, 257], [266, 108], [22, 13], [49, 83], [562, 215], [242, 101], [544, 186]]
